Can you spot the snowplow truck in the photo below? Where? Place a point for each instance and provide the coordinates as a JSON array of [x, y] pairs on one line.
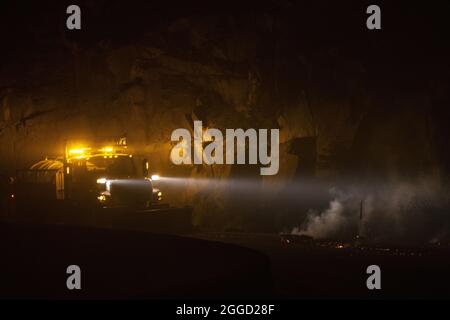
[[90, 182]]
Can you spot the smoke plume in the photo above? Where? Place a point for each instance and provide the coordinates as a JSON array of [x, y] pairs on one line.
[[400, 213]]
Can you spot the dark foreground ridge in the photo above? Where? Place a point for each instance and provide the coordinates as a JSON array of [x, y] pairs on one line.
[[121, 265]]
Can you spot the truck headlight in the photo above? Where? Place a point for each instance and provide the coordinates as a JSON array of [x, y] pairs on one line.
[[157, 194], [106, 182], [103, 196]]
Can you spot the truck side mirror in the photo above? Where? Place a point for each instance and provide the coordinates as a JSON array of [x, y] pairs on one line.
[[145, 167]]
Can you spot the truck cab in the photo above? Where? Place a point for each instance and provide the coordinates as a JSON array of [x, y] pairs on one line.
[[107, 176]]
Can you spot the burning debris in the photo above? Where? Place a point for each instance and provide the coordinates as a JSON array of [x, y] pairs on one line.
[[304, 240], [289, 238]]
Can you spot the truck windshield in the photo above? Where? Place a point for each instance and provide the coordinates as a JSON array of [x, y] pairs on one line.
[[120, 167]]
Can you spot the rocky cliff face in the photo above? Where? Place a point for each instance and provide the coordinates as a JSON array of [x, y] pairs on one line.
[[271, 68]]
